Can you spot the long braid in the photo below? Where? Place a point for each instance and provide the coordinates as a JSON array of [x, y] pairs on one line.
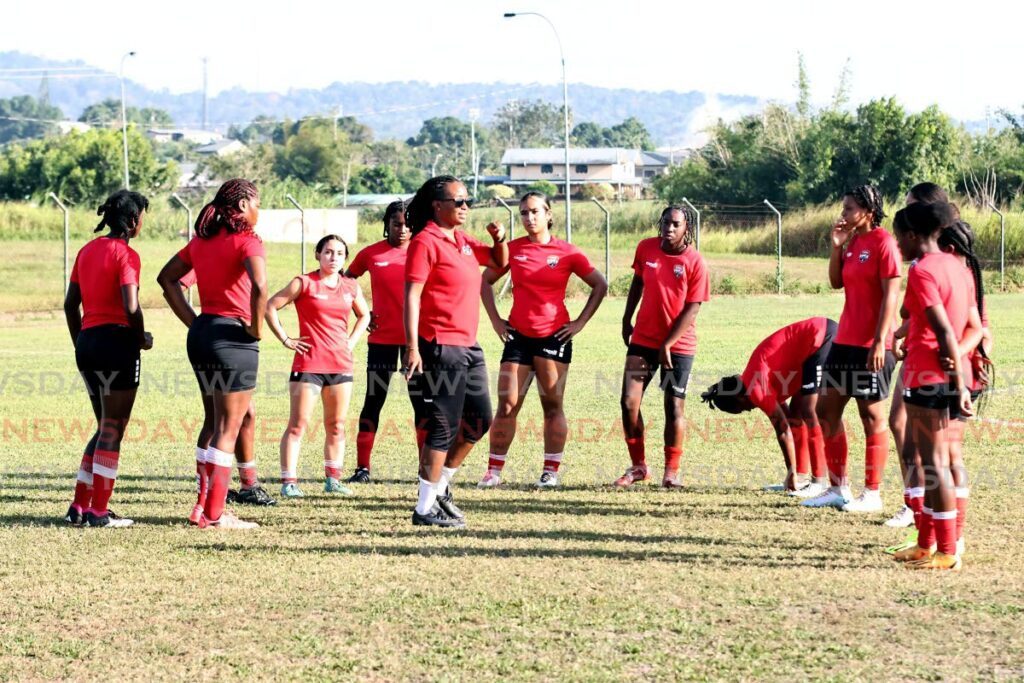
[[223, 213], [688, 215], [870, 199]]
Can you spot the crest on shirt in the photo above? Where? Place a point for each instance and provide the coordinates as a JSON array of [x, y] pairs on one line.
[[864, 256], [467, 250], [521, 257], [552, 261], [678, 270]]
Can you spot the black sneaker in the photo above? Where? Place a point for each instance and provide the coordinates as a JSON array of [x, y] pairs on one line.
[[232, 496], [109, 520], [361, 476], [257, 495], [447, 503], [74, 516], [437, 517]]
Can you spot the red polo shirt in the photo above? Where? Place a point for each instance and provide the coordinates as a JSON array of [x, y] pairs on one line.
[[101, 268], [219, 262], [670, 282], [936, 279], [868, 259], [773, 373], [386, 265]]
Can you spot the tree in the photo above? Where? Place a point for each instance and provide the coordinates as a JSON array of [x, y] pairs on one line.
[[631, 134], [255, 163], [375, 180], [545, 187], [446, 132], [260, 129], [529, 124], [589, 134], [313, 155], [25, 117], [108, 113]]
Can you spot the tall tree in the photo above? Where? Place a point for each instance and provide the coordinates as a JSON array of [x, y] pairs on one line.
[[26, 117]]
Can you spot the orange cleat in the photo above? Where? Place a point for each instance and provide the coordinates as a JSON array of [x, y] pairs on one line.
[[914, 553], [632, 476], [938, 561]]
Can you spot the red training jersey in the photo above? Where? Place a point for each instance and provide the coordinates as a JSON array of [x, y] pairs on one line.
[[224, 286], [450, 272], [937, 279], [774, 371], [386, 265], [670, 282], [188, 279], [868, 259], [101, 268], [323, 318], [540, 274]]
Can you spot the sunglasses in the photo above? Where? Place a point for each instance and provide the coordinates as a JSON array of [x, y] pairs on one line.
[[458, 203]]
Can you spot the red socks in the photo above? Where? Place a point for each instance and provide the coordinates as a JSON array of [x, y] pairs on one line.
[[364, 447], [636, 452], [915, 498], [926, 530], [835, 458], [218, 469], [202, 477], [874, 460], [332, 469], [247, 474], [945, 531], [816, 446], [963, 495], [495, 463], [84, 483], [672, 456], [104, 473], [552, 461], [802, 447]]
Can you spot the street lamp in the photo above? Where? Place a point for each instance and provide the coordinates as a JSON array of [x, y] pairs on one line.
[[565, 116], [124, 122], [474, 114]]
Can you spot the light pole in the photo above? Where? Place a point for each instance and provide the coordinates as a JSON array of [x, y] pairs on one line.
[[565, 118], [124, 122], [474, 114]]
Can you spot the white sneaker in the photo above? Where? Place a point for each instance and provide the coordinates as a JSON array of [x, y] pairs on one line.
[[490, 480], [227, 521], [548, 480], [867, 501], [812, 490], [903, 518], [834, 497]]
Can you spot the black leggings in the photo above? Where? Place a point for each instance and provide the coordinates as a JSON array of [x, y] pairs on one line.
[[456, 396], [381, 363]]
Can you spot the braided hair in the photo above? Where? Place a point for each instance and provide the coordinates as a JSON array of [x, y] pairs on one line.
[[121, 212], [725, 395], [394, 208], [420, 209], [870, 199], [223, 212], [688, 216]]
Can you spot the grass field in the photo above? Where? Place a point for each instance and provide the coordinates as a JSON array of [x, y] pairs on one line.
[[719, 580]]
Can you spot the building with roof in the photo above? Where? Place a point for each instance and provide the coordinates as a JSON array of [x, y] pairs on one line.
[[221, 148], [613, 165]]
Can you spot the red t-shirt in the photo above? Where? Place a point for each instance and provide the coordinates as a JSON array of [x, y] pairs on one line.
[[101, 268], [188, 279], [224, 286], [540, 274], [386, 265], [450, 271], [868, 259], [323, 318], [937, 279], [774, 371], [670, 282]]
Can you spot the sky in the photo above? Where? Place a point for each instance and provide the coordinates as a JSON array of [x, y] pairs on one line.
[[965, 57]]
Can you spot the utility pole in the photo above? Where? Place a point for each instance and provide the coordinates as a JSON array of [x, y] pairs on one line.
[[205, 91], [474, 114]]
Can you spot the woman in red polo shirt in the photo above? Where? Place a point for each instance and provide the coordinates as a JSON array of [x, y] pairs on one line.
[[442, 313], [324, 300], [108, 334], [538, 333], [670, 282], [385, 261], [223, 341], [786, 366], [940, 310], [865, 264]]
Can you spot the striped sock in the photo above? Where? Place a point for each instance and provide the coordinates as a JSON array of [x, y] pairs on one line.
[[84, 483], [552, 461], [104, 474], [495, 463], [289, 477], [220, 479], [247, 473], [202, 477]]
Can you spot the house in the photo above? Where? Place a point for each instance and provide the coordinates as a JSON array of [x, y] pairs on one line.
[[197, 137], [652, 165], [221, 148], [613, 165]]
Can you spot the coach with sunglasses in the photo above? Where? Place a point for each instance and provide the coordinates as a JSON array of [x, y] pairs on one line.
[[442, 312]]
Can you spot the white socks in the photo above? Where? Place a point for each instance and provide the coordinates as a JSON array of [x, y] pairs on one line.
[[427, 496]]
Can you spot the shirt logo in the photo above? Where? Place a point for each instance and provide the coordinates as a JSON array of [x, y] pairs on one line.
[[552, 261], [347, 298], [382, 264], [320, 296], [678, 271], [864, 256], [651, 264], [550, 352], [467, 250], [521, 257]]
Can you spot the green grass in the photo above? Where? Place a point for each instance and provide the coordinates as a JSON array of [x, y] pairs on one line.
[[718, 581]]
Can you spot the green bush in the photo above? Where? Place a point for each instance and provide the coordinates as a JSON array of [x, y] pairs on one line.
[[544, 187], [600, 191], [497, 192]]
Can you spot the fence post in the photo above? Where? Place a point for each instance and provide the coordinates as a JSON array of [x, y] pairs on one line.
[[696, 237], [511, 223], [188, 231], [67, 236], [302, 220], [778, 245], [607, 240], [1002, 247]]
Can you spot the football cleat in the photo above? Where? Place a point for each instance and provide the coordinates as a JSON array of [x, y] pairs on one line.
[[632, 476]]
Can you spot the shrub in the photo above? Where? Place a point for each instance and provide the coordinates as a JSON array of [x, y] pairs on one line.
[[544, 187], [497, 192], [599, 191]]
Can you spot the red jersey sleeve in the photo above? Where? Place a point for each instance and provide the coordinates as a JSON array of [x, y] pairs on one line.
[[358, 265], [755, 380], [925, 287], [698, 286], [581, 265], [129, 265], [185, 255], [252, 247], [891, 260], [419, 262], [481, 251], [638, 262]]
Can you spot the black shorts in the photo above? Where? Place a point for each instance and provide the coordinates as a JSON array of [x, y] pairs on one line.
[[108, 357], [383, 357], [455, 393], [811, 372], [678, 380], [846, 370], [933, 396], [223, 355], [321, 379], [954, 406], [521, 349]]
